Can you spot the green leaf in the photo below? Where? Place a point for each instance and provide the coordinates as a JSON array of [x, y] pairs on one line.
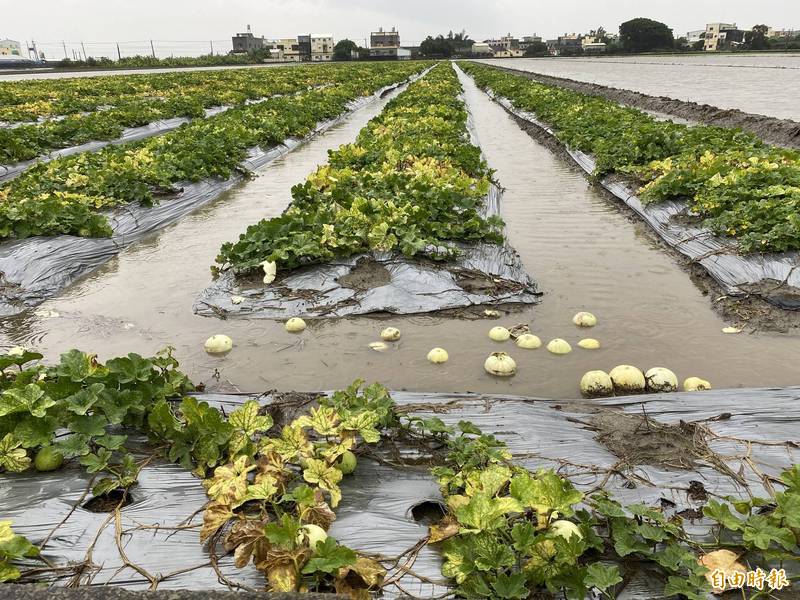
[[74, 445], [722, 514], [30, 399], [77, 366], [247, 419], [760, 532], [329, 557], [131, 368], [90, 425], [546, 493], [36, 431], [608, 507], [791, 477], [111, 442], [492, 554], [82, 401], [95, 463], [283, 534], [602, 576], [510, 586], [693, 587], [484, 513], [8, 572], [468, 428], [788, 509], [524, 536], [625, 540], [13, 458]]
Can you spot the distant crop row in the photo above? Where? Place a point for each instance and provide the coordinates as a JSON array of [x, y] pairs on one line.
[[411, 182], [125, 105], [740, 186], [67, 195]]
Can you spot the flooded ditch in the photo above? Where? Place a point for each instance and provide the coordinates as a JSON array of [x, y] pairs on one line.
[[584, 252]]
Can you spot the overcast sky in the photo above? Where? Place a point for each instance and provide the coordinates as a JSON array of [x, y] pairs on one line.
[[51, 21]]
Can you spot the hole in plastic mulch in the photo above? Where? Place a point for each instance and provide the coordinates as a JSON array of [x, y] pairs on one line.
[[428, 512], [108, 502]]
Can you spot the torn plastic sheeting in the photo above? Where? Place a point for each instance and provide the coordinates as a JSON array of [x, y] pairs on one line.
[[375, 514], [480, 274], [34, 269], [774, 276]]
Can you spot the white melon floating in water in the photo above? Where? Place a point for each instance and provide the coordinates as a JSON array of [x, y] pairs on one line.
[[500, 364], [660, 379], [218, 344], [627, 379]]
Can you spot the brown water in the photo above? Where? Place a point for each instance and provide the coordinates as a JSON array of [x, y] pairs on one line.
[[765, 84], [583, 252]]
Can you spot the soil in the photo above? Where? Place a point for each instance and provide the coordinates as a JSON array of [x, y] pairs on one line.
[[639, 440], [366, 275], [781, 132], [108, 502], [751, 310]]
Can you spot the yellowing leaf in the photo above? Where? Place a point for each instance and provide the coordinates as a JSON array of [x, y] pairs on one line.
[[214, 517], [721, 562]]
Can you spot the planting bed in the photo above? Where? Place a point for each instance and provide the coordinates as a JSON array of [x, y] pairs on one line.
[[412, 186], [736, 186], [489, 496], [157, 104], [104, 201]]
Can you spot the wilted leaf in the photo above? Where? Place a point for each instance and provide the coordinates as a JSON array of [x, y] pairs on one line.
[[323, 420], [247, 419], [214, 517], [13, 458], [355, 580], [723, 561], [229, 484], [444, 529], [326, 477], [247, 540]]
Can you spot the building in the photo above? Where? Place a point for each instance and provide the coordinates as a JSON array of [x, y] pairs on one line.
[[284, 49], [385, 45], [773, 34], [10, 48], [698, 35], [244, 43], [321, 47], [304, 46], [482, 49], [591, 45], [506, 46], [527, 41], [722, 36]]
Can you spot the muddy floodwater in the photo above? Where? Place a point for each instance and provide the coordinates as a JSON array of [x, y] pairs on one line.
[[765, 84], [583, 251]]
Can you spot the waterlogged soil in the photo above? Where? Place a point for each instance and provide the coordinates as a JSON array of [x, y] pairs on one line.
[[762, 84], [584, 252]]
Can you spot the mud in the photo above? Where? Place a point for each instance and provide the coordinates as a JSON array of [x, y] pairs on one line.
[[781, 132], [367, 275], [640, 440]]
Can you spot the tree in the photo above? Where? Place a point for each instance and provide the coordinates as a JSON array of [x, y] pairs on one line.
[[645, 35], [756, 39], [343, 50], [536, 49], [446, 46]]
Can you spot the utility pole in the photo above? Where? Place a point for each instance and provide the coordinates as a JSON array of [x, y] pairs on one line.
[[119, 54], [63, 43], [212, 47], [84, 50], [152, 48]]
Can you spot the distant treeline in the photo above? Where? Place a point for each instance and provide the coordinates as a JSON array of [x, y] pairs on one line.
[[138, 62]]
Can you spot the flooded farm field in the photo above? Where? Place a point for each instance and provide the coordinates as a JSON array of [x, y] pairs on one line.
[[765, 84], [584, 252]]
